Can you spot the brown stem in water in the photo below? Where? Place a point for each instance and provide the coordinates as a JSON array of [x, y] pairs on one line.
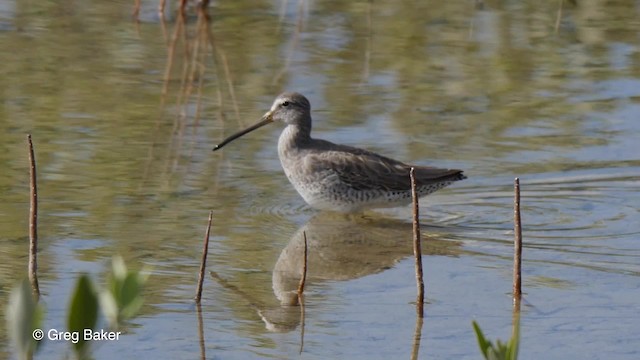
[[517, 254], [33, 222], [417, 249], [203, 262]]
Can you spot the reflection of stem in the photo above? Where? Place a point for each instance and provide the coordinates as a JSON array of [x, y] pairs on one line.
[[183, 6], [225, 66], [283, 11], [301, 301], [417, 249], [136, 10], [304, 268], [367, 52], [201, 331], [417, 336], [303, 278], [191, 67], [198, 64], [161, 8], [478, 5], [163, 26], [294, 42], [201, 66], [229, 286], [558, 17], [33, 222], [517, 251], [179, 122], [170, 54], [232, 92]]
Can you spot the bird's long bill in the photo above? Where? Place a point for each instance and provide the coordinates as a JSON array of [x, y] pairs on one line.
[[266, 119]]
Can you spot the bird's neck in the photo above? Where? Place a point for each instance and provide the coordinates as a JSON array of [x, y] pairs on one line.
[[294, 137]]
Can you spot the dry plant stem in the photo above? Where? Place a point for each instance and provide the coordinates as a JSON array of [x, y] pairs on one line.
[[417, 249], [417, 336], [33, 222], [303, 279], [203, 262], [517, 254]]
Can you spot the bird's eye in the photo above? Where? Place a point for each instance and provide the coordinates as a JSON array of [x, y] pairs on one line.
[[285, 104]]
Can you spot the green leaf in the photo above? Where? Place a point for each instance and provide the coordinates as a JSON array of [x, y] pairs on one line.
[[499, 351], [24, 315], [109, 308], [123, 297], [83, 311], [514, 343], [118, 267], [483, 343]]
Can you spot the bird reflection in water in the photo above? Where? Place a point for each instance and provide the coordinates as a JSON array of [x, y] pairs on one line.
[[341, 247]]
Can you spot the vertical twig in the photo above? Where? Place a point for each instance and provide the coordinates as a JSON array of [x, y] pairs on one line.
[[417, 250], [33, 222], [203, 262], [517, 254]]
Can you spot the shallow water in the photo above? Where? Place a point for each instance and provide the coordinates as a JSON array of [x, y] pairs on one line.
[[502, 91]]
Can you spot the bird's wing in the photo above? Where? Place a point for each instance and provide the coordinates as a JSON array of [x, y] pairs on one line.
[[364, 170]]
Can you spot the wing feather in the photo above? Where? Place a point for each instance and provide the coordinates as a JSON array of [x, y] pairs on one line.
[[364, 170]]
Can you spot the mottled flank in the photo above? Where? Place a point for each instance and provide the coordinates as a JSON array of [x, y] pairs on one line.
[[338, 177]]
